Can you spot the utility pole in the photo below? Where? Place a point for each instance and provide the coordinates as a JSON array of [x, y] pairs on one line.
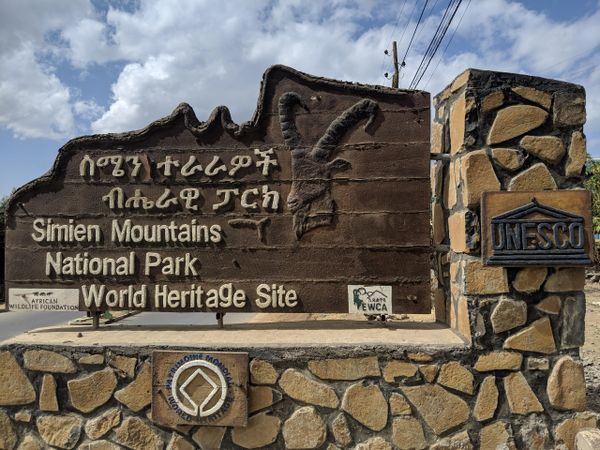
[[396, 76]]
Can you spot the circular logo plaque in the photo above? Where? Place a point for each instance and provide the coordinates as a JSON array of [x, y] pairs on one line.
[[199, 387]]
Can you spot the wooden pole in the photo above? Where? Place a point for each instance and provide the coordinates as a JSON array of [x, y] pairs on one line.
[[396, 76], [96, 320]]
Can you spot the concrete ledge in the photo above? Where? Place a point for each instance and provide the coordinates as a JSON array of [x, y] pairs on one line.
[[280, 335]]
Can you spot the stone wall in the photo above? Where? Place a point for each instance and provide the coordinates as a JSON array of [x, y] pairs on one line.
[[71, 397], [328, 398], [502, 131]]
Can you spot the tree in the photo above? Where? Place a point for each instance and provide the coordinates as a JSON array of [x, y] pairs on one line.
[[592, 182], [3, 202]]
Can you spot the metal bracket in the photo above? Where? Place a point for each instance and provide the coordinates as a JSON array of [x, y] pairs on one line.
[[444, 157], [96, 319]]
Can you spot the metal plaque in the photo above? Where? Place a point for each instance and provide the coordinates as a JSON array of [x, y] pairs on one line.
[[370, 299], [548, 228], [326, 187], [200, 388], [43, 299]]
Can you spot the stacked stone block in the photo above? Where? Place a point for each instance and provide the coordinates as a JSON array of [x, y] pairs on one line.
[[502, 131], [383, 399], [380, 398]]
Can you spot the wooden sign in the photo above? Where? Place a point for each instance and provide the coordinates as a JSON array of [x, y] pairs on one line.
[[325, 188], [548, 228], [200, 388]]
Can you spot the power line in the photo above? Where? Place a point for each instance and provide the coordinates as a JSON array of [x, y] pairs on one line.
[[445, 30], [413, 35], [580, 70], [412, 14], [448, 44], [570, 60], [427, 17], [419, 75], [433, 41]]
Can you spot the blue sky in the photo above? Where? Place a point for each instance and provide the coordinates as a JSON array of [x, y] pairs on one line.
[[78, 67]]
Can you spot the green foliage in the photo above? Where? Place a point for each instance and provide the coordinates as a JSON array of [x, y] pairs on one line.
[[592, 182], [3, 202], [2, 226]]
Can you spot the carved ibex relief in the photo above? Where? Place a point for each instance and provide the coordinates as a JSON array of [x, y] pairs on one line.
[[310, 198]]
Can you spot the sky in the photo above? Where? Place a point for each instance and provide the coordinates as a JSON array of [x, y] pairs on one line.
[[77, 67]]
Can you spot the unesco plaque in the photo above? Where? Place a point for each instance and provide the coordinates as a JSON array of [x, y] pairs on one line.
[[548, 228]]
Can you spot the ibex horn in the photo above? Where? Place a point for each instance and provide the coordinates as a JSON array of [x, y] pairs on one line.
[[330, 140], [287, 102]]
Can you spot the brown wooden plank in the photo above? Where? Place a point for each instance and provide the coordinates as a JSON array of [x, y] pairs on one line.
[[313, 296], [368, 160], [358, 229], [277, 264], [350, 196], [390, 126]]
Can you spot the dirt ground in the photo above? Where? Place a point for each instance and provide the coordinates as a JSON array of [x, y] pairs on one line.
[[591, 350]]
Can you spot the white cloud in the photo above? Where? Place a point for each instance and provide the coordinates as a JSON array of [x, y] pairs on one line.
[[34, 102], [219, 58], [142, 91], [209, 53], [28, 22], [87, 109], [88, 42]]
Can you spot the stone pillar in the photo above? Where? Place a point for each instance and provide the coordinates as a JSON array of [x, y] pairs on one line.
[[503, 131]]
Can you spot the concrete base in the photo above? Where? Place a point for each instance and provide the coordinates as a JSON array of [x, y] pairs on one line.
[[344, 333]]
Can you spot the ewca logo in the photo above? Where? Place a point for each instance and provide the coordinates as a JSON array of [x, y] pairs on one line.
[[370, 299], [199, 386]]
